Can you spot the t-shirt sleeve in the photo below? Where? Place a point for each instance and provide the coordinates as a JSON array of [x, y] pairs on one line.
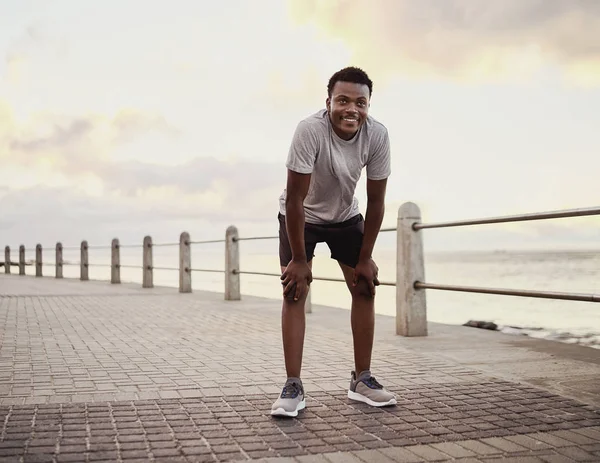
[[379, 163], [303, 150]]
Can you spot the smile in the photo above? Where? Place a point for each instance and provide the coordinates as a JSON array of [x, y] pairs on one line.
[[349, 119]]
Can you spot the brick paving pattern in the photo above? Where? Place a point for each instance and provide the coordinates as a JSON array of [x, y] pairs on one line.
[[222, 428], [124, 374]]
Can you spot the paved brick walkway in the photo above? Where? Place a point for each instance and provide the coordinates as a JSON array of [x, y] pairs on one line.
[[92, 372]]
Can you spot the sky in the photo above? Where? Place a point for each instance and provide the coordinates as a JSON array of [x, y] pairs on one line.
[[123, 119]]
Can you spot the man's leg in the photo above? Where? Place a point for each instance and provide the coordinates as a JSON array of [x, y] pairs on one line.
[[362, 319], [345, 242], [291, 400], [363, 386], [293, 327]]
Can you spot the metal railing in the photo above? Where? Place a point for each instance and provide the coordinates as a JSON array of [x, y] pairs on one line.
[[513, 292], [506, 219], [513, 218], [411, 310]]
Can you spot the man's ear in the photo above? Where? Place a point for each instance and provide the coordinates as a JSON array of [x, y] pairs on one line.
[[327, 103]]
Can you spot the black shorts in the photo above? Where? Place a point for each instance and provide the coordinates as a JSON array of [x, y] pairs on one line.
[[344, 240]]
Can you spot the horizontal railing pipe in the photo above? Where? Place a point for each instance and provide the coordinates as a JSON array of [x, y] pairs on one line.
[[207, 242], [513, 218], [255, 238], [66, 248], [266, 274], [387, 283], [315, 278], [512, 292]]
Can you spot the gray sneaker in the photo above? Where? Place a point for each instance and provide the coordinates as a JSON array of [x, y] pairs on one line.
[[291, 400], [366, 389]]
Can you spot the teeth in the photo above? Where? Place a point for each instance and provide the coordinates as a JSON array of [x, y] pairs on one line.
[[349, 119]]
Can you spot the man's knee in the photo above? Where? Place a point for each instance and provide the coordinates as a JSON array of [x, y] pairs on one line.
[[361, 291], [289, 298]]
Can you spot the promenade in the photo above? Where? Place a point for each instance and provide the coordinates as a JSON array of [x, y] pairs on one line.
[[91, 371]]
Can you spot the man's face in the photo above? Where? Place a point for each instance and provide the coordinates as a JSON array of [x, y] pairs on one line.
[[348, 107]]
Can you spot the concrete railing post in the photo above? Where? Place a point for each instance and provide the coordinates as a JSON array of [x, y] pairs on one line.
[[38, 261], [148, 277], [411, 307], [232, 265], [59, 260], [185, 264], [115, 262], [7, 259], [21, 260], [84, 264]]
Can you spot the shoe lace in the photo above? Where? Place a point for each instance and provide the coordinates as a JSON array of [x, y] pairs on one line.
[[373, 383], [290, 391]]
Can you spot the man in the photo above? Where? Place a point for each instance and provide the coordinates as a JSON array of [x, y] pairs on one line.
[[327, 155]]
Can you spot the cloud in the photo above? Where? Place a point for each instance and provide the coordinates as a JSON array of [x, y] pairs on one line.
[[70, 214], [303, 89], [82, 146], [49, 132], [35, 40], [62, 173], [75, 144], [195, 176], [60, 137], [467, 39], [129, 123]]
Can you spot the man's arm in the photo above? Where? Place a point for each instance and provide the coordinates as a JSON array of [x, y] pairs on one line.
[[297, 275], [366, 269], [300, 163], [296, 191], [374, 216]]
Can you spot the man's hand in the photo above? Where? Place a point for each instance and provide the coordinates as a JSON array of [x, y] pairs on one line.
[[296, 278], [366, 270]]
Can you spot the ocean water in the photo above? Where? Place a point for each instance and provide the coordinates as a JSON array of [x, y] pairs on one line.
[[563, 271]]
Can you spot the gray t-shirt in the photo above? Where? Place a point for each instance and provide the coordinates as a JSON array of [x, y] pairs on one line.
[[336, 165]]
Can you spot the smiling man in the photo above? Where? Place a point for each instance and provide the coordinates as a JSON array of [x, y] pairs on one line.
[[328, 152]]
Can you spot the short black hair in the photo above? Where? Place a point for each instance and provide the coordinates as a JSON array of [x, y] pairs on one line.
[[350, 74]]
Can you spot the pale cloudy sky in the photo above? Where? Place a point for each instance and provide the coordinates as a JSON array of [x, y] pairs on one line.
[[126, 118]]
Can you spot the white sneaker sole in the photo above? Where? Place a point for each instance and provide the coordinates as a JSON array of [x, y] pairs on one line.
[[361, 398], [282, 412]]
